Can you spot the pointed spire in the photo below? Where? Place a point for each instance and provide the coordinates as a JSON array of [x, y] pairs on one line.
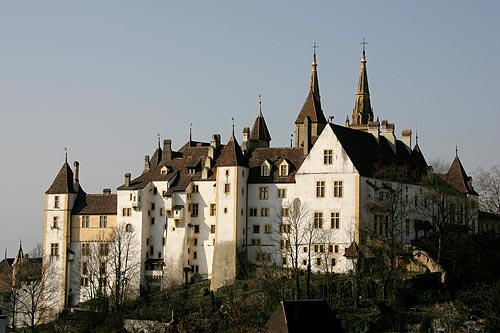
[[232, 119], [259, 136], [458, 178], [362, 112], [190, 132], [63, 183], [314, 85], [231, 154]]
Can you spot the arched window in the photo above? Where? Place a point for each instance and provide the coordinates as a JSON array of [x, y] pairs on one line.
[[128, 227]]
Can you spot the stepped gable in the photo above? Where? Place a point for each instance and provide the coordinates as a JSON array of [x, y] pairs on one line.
[[458, 178], [63, 183], [293, 156], [95, 204], [231, 155], [370, 156]]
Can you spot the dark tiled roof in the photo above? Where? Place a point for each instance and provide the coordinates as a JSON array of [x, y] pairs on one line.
[[311, 109], [259, 130], [231, 154], [293, 156], [458, 179], [63, 183], [371, 157], [95, 204]]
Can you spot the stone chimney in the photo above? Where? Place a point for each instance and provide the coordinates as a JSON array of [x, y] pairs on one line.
[[146, 163], [127, 179], [246, 138], [406, 138], [76, 171], [387, 131], [106, 191], [167, 150], [215, 141], [374, 129]]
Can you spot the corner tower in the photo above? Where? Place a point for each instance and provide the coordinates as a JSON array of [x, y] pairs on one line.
[[362, 112], [311, 121]]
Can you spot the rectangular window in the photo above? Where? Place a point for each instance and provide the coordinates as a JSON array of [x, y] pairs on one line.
[[283, 170], [256, 228], [153, 206], [54, 249], [318, 261], [335, 220], [151, 250], [318, 220], [285, 228], [56, 201], [282, 193], [85, 249], [320, 189], [305, 249], [103, 221], [195, 255], [256, 241], [152, 220], [194, 188], [336, 247], [334, 262], [285, 244], [330, 248], [319, 248], [194, 210], [268, 229], [328, 156], [212, 209], [196, 228], [263, 193], [264, 212], [212, 228], [227, 188], [85, 268], [283, 261], [126, 211], [252, 211], [85, 221], [104, 249], [285, 211], [338, 189], [102, 269], [55, 223], [264, 170], [84, 281]]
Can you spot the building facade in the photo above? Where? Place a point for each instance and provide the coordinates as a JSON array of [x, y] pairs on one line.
[[207, 209]]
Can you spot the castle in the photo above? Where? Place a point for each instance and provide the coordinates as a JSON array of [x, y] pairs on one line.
[[206, 209]]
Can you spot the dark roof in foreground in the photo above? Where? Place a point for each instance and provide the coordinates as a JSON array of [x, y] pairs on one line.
[[95, 204]]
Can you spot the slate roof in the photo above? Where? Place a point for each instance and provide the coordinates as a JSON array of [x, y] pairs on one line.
[[6, 275], [293, 156], [371, 157], [458, 178], [63, 183], [311, 109], [95, 204], [259, 130], [231, 154]]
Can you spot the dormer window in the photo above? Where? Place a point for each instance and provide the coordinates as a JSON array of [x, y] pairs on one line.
[[164, 170], [284, 169], [192, 170], [265, 169]]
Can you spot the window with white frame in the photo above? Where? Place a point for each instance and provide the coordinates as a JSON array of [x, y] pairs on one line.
[[265, 169], [85, 221]]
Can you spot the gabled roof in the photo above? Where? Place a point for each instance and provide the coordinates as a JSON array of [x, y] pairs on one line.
[[458, 178], [274, 156], [259, 130], [63, 183], [231, 154], [95, 204]]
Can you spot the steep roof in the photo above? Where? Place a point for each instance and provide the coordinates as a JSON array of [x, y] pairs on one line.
[[259, 130], [458, 178], [312, 104], [95, 204], [362, 105], [231, 154], [63, 183], [371, 157], [275, 156]]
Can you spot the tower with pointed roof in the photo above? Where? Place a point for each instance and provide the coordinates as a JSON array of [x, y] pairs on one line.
[[362, 112], [311, 121], [259, 136]]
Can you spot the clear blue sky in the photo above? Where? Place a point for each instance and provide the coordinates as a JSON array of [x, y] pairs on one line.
[[104, 77]]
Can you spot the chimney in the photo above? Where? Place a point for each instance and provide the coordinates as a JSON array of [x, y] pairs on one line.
[[387, 131], [127, 179], [146, 163], [215, 141], [374, 128], [106, 191], [246, 137], [76, 170], [167, 150], [406, 134]]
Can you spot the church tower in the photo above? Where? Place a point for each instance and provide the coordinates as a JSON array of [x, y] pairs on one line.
[[362, 113], [311, 120]]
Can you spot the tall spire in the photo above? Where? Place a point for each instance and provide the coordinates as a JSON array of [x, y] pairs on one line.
[[314, 85], [259, 136], [362, 112]]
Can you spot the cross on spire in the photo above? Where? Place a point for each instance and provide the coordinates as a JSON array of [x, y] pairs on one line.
[[363, 43], [66, 154], [260, 103], [314, 47], [232, 119]]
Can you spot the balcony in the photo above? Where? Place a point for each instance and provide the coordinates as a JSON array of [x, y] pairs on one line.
[[153, 275]]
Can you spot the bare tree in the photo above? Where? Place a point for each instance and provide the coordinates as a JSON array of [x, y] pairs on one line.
[[94, 273], [326, 237], [35, 295], [488, 187]]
